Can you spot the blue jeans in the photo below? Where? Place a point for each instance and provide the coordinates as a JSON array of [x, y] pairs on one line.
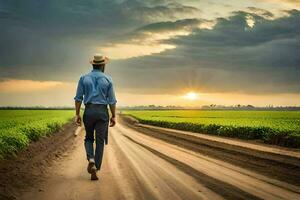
[[95, 119]]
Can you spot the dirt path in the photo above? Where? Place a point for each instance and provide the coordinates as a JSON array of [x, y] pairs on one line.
[[138, 166]]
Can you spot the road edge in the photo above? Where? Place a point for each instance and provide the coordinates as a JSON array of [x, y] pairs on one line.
[[269, 152], [29, 166]]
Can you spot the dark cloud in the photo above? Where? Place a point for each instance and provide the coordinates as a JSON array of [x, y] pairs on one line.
[[46, 36], [51, 40], [262, 12], [171, 26], [54, 35], [164, 12], [230, 57], [269, 44], [142, 34]]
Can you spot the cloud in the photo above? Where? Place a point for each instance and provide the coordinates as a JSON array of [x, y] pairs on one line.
[[260, 12], [46, 37], [167, 11], [291, 3], [163, 45], [14, 85], [15, 92], [230, 57], [124, 51], [149, 39]]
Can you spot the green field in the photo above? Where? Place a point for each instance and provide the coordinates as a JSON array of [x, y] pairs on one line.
[[19, 127], [275, 127]]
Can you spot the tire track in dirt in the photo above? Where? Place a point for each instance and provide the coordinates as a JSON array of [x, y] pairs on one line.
[[226, 190], [248, 181], [138, 166], [159, 177]]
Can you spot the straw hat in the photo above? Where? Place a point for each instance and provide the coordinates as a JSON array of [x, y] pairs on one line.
[[99, 60]]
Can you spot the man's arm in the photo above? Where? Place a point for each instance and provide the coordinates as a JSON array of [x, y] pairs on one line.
[[112, 104], [78, 117], [78, 99], [112, 108]]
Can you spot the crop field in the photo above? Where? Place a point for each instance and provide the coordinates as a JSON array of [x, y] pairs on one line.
[[19, 127], [275, 127]]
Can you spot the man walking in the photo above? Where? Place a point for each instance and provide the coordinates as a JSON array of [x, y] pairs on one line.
[[95, 89]]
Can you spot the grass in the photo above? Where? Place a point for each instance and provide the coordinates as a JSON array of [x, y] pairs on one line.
[[274, 127], [19, 127]]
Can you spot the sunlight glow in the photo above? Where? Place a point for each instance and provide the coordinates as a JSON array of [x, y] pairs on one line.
[[191, 96], [144, 44], [207, 25], [15, 85], [125, 51], [250, 21], [157, 36]]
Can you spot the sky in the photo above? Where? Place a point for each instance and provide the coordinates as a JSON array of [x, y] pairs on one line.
[[161, 51]]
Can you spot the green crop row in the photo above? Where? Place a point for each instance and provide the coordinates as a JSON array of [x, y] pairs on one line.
[[19, 127], [280, 128]]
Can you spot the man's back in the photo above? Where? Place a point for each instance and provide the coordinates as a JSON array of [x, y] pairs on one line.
[[96, 88]]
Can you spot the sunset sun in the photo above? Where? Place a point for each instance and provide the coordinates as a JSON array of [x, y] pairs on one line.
[[191, 96]]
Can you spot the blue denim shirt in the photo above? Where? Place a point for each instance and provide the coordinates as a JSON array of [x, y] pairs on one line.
[[96, 88]]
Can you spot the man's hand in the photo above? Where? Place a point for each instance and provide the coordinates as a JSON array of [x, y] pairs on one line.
[[112, 121], [78, 120]]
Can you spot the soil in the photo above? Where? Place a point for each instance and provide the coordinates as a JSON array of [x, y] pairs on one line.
[[24, 169], [284, 168], [142, 163]]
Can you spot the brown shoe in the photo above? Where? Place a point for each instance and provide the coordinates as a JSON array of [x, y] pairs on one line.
[[90, 166], [94, 176]]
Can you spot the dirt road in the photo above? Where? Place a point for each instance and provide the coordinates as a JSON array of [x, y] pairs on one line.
[[138, 166]]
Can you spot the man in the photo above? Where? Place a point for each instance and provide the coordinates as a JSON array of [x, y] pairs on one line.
[[95, 89]]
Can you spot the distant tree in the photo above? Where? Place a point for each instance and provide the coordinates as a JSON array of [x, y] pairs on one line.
[[250, 106]]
